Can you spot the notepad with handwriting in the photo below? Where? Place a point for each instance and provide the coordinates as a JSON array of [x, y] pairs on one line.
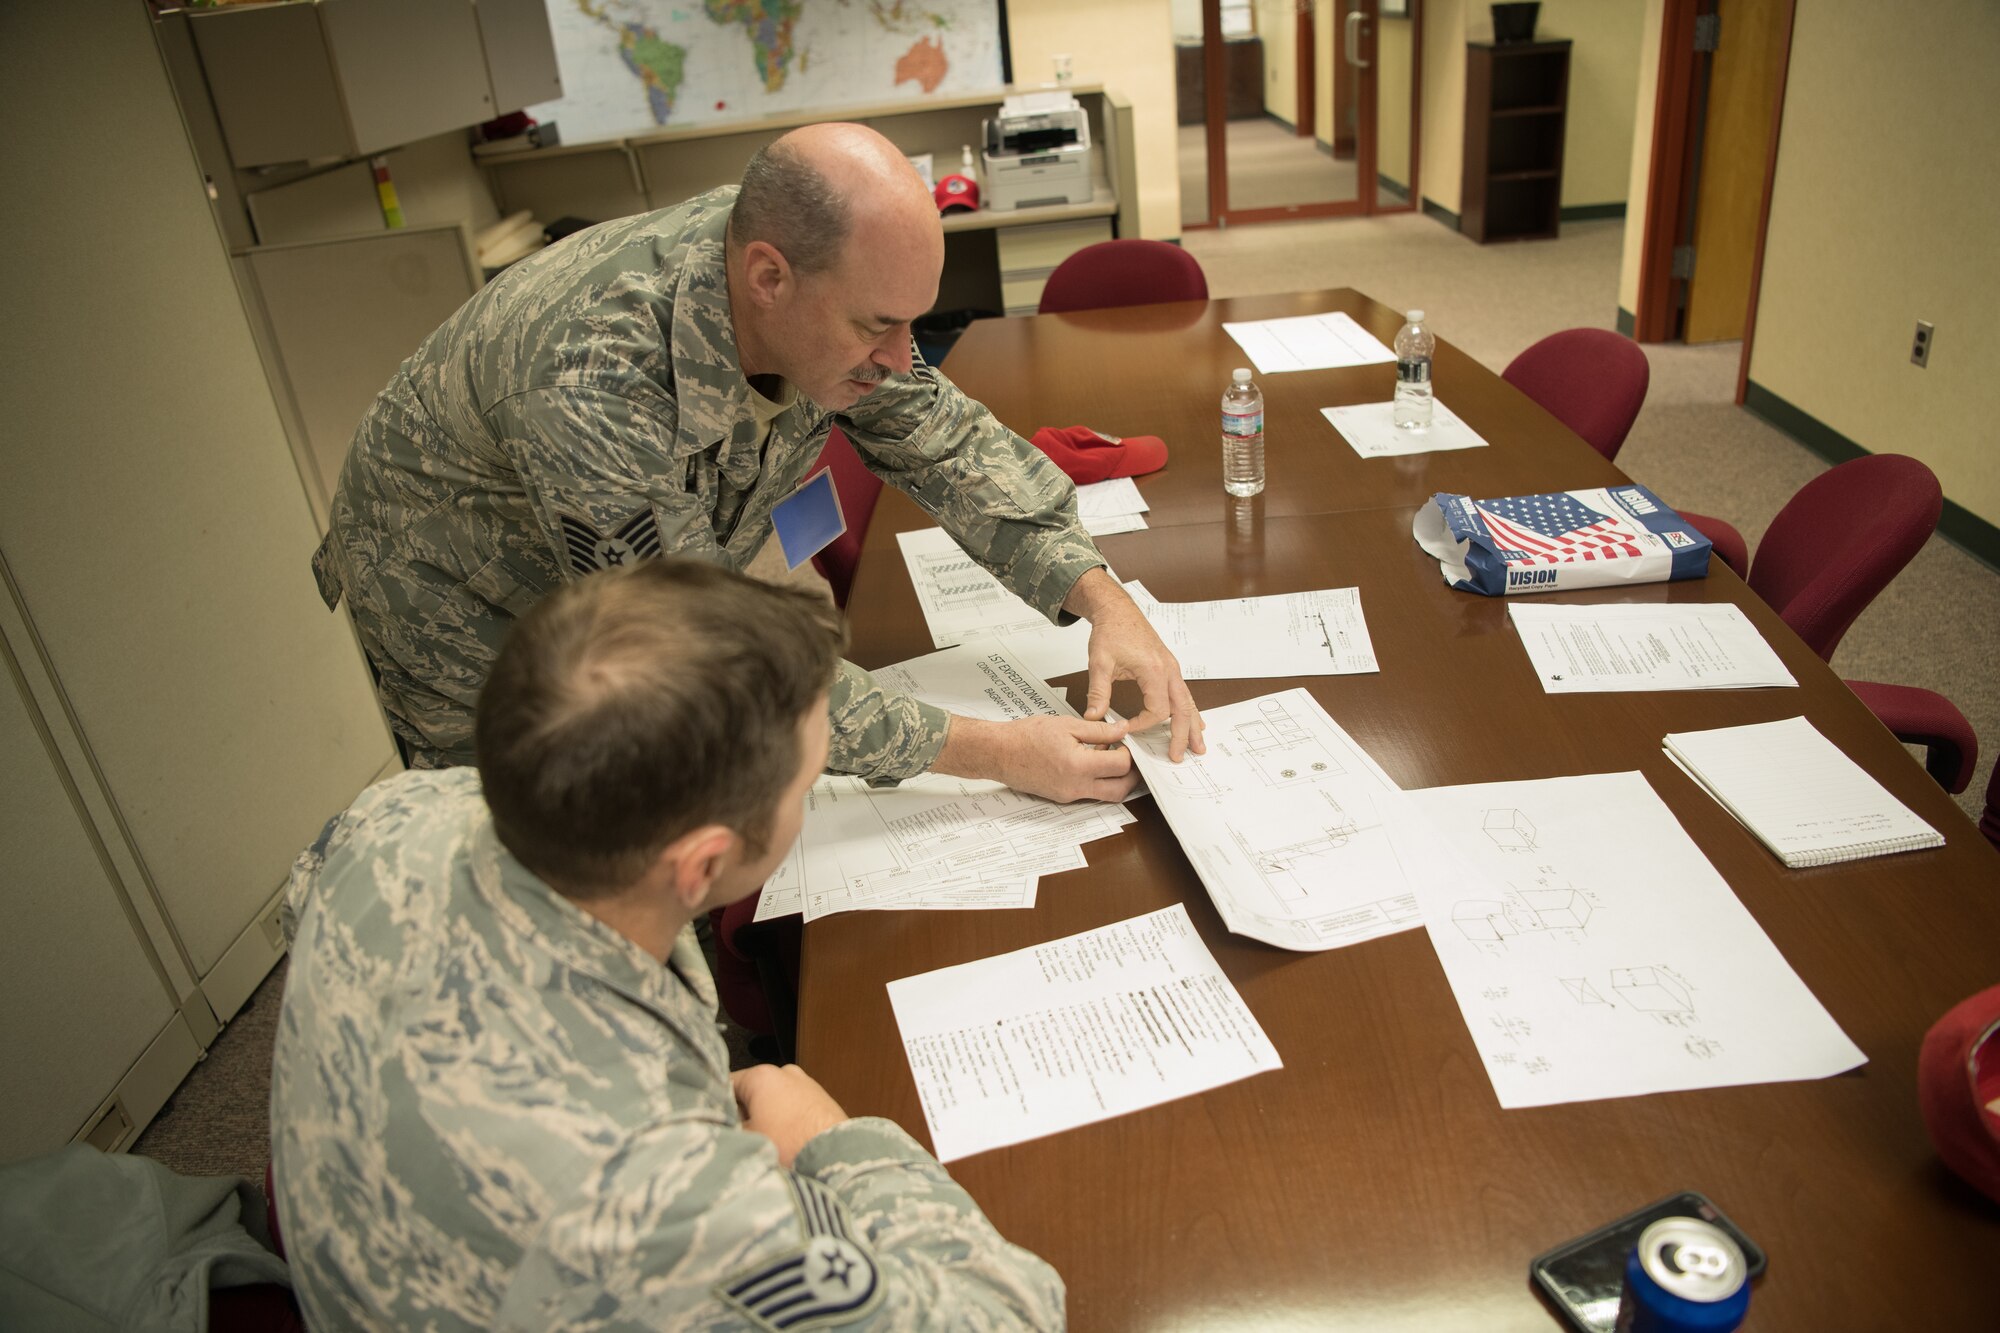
[[1795, 789]]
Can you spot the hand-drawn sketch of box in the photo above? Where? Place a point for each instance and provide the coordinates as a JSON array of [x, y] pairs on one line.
[[1511, 830], [1557, 909]]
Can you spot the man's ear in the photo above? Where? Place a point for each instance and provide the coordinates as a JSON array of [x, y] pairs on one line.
[[767, 274], [695, 860]]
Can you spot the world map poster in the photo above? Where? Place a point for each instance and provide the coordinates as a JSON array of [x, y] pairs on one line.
[[631, 67]]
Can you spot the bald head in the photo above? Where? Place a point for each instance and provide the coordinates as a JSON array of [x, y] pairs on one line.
[[815, 190]]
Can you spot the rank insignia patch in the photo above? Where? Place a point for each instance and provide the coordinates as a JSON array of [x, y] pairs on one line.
[[829, 1280], [637, 538]]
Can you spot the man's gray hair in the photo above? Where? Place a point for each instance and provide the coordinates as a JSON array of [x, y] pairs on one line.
[[790, 206]]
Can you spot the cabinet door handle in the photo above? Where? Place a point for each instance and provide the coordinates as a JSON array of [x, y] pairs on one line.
[[1355, 18]]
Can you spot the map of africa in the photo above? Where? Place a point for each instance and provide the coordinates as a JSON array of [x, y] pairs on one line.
[[630, 67]]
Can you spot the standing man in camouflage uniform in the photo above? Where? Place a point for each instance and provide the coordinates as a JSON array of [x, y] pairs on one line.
[[500, 1099], [655, 385]]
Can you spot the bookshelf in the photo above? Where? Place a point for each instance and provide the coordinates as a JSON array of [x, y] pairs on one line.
[[1516, 101]]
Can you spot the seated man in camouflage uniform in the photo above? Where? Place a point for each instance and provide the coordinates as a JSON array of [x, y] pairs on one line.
[[500, 1099], [655, 385]]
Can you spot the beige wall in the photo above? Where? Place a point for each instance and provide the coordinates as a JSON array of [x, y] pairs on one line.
[[1324, 17], [1603, 85], [1640, 167], [1443, 132], [1128, 46], [1392, 99], [1883, 213], [1278, 26]]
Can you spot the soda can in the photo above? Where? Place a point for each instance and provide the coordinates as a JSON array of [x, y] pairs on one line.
[[1685, 1276]]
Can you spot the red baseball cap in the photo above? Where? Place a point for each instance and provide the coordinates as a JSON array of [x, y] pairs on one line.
[[1958, 1089], [1089, 456], [956, 192]]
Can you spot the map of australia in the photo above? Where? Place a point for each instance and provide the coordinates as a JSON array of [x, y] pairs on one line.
[[632, 66]]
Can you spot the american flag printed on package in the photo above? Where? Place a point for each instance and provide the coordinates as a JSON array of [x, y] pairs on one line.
[[1556, 542]]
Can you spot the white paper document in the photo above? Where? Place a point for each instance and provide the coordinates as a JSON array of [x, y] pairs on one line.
[[1308, 342], [1318, 633], [1693, 646], [1285, 820], [1595, 952], [960, 599], [1072, 1032], [937, 842], [1799, 792], [1372, 432], [1105, 501]]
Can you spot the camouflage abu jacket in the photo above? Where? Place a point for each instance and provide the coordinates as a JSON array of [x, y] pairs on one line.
[[586, 408], [491, 1111]]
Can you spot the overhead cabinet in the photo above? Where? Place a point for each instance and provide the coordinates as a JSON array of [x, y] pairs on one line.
[[345, 78]]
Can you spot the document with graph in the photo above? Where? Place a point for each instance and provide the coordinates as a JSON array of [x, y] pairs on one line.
[[1285, 820]]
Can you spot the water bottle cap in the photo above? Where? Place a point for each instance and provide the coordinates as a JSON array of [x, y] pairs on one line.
[[1415, 316], [1241, 375]]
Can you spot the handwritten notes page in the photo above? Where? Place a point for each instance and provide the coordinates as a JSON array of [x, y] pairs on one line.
[[1071, 1032], [1595, 952]]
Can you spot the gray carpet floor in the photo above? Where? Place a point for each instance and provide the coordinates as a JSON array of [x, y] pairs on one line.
[[1934, 626]]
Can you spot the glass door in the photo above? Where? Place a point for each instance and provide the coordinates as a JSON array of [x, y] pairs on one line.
[[1282, 104]]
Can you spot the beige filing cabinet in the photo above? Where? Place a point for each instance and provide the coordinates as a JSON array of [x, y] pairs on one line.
[[345, 78], [180, 713], [994, 260]]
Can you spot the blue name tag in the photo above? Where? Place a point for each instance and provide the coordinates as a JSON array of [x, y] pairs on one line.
[[808, 519]]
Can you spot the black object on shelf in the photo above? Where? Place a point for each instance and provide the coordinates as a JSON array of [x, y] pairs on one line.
[[1516, 100], [1516, 22]]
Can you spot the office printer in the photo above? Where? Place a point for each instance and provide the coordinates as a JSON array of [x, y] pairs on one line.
[[1037, 152]]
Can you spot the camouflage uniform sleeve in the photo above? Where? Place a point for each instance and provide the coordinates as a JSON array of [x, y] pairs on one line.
[[877, 734], [995, 493], [696, 1226]]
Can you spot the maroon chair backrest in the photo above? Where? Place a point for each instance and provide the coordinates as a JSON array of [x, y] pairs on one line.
[[858, 489], [1134, 272], [1838, 542], [1989, 820], [736, 984], [1592, 380]]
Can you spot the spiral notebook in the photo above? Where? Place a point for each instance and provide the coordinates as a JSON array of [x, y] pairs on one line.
[[1795, 789]]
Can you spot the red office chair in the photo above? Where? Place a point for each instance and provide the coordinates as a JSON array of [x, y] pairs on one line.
[[1730, 548], [1592, 380], [757, 971], [1923, 717], [1989, 819], [1838, 542], [1114, 273], [858, 489]]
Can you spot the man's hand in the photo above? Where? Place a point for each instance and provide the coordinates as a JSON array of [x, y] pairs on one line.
[[785, 1105], [1125, 646], [1061, 758]]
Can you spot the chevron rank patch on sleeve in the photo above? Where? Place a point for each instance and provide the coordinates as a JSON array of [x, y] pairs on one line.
[[830, 1280], [637, 538]]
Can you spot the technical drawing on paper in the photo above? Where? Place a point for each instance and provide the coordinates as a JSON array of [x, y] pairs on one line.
[[1656, 990], [1701, 1048], [1510, 830], [1291, 870], [957, 581], [1582, 991], [1494, 921], [1283, 750]]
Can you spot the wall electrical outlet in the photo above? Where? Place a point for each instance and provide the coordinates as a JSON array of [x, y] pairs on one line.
[[1920, 350]]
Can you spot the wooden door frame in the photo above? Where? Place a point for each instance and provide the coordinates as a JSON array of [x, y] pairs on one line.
[[1306, 73], [1365, 203], [1764, 208], [1669, 179]]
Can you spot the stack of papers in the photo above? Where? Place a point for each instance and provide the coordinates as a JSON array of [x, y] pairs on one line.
[[1286, 821], [1371, 429], [1698, 646], [1802, 797], [1595, 952], [936, 842], [1071, 1032], [1308, 342], [1107, 507]]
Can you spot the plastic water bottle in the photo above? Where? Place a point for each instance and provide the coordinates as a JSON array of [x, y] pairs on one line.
[[1414, 345], [1242, 436]]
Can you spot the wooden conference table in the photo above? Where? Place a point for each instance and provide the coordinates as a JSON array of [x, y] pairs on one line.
[[1374, 1183]]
